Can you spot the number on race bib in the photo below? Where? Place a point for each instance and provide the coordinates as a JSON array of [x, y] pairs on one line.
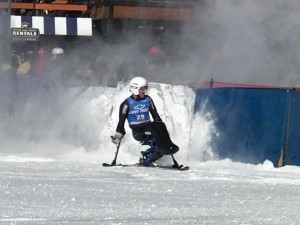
[[140, 117]]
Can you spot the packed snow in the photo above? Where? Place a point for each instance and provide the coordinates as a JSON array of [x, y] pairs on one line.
[[53, 147]]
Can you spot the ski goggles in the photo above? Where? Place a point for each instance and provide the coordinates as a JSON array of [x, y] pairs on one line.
[[143, 89]]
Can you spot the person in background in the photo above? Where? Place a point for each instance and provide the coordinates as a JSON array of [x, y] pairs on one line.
[[41, 63], [7, 85], [55, 67], [25, 67], [57, 53], [137, 109]]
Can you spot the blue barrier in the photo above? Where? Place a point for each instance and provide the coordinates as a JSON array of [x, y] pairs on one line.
[[254, 124]]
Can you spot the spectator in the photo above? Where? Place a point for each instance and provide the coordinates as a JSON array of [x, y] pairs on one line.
[[41, 63], [25, 64], [54, 68]]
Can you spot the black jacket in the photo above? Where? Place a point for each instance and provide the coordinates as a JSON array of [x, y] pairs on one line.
[[123, 113]]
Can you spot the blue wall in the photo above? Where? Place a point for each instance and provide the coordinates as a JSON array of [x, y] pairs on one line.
[[254, 124], [292, 151]]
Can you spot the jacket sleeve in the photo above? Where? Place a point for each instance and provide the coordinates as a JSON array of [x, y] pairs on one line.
[[123, 113], [153, 111]]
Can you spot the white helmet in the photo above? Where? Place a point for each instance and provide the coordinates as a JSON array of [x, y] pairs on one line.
[[136, 84], [57, 51]]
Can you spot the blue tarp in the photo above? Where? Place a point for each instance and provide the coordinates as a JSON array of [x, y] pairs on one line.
[[292, 149], [254, 124]]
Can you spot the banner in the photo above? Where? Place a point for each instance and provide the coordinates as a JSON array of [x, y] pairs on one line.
[[55, 25]]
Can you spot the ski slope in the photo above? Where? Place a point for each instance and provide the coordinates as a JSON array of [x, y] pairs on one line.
[[215, 192], [53, 145]]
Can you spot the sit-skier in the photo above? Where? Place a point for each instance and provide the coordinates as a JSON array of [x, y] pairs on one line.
[[136, 110]]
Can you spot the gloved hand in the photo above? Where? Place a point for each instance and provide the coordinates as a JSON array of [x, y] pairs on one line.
[[117, 138]]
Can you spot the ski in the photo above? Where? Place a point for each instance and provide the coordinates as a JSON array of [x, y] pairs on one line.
[[181, 167], [119, 164]]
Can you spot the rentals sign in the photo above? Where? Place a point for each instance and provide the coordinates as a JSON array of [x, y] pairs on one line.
[[24, 33]]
